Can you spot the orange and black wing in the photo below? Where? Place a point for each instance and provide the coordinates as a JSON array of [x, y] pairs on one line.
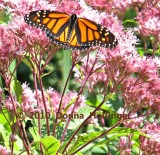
[[56, 25], [53, 23], [72, 44], [91, 34]]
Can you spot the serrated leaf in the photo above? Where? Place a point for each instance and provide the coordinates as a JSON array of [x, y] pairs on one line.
[[50, 145], [86, 111], [83, 139], [112, 135]]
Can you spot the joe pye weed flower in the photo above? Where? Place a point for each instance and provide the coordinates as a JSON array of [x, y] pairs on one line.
[[120, 80]]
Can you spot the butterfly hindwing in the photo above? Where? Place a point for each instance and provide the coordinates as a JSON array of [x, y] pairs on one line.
[[61, 40], [74, 42]]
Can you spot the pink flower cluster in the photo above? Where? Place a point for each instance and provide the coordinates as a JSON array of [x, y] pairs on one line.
[[125, 146], [22, 7], [151, 145], [123, 70], [118, 7], [4, 151], [9, 45], [16, 39], [31, 104], [116, 70], [149, 20]]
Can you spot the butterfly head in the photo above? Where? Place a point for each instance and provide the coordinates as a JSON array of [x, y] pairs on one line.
[[73, 17]]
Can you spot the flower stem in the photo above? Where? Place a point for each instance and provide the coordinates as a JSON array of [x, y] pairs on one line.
[[68, 121], [60, 104], [45, 106]]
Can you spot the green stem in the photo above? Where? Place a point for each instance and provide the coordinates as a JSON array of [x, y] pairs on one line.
[[60, 104], [80, 91], [45, 106]]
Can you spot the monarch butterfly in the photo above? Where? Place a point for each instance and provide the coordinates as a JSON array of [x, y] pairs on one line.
[[69, 31]]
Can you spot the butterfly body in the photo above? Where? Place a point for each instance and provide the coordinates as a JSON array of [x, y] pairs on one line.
[[72, 22], [71, 32]]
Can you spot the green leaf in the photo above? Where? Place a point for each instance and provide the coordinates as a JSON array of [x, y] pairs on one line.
[[28, 62], [17, 89], [3, 120], [83, 139], [48, 69], [4, 135], [12, 67], [116, 133], [141, 51], [35, 134], [130, 14], [4, 17], [130, 23], [69, 104], [50, 145], [83, 113], [120, 131], [110, 136], [96, 100], [45, 74], [129, 18], [86, 111]]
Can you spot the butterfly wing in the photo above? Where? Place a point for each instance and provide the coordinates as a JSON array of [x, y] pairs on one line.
[[72, 44], [52, 22], [85, 33], [56, 25], [91, 34]]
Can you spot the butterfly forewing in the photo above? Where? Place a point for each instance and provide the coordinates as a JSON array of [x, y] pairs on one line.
[[52, 22], [91, 34]]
